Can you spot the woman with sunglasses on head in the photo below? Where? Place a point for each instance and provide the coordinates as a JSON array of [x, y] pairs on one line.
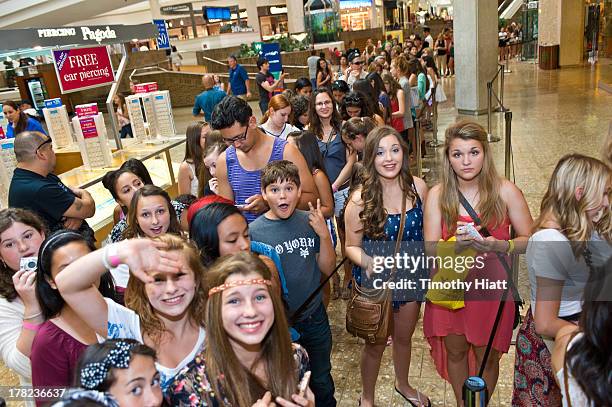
[[248, 343], [194, 158], [64, 335], [458, 335], [357, 104], [164, 298], [339, 89], [21, 234]]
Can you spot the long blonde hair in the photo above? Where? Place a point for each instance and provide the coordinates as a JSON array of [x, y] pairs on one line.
[[239, 384], [491, 207], [573, 172], [137, 300], [374, 215]]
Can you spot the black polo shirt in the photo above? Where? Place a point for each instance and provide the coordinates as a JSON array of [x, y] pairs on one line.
[[47, 196]]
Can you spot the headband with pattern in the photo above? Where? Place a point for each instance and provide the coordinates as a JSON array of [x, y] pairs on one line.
[[94, 374], [237, 283], [103, 399]]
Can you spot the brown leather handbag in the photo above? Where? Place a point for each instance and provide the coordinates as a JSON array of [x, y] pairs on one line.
[[369, 312]]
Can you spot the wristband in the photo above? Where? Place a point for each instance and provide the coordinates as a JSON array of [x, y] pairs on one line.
[[31, 327], [510, 247], [110, 259]]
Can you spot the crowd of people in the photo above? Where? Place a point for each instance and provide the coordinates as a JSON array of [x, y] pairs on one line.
[[219, 296]]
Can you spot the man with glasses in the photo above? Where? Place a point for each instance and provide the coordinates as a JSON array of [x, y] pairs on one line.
[[35, 187], [356, 70], [250, 149]]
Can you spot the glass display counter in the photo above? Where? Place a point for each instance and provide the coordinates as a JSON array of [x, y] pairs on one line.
[[162, 158]]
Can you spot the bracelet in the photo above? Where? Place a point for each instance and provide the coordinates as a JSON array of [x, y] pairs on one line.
[[32, 316], [31, 327], [334, 188], [510, 246], [109, 256]]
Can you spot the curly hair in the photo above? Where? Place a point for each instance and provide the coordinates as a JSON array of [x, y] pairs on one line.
[[374, 215], [137, 300]]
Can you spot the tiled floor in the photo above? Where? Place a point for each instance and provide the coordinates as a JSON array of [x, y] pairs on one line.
[[554, 113]]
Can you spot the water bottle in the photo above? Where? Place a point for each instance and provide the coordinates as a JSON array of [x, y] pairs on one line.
[[475, 392]]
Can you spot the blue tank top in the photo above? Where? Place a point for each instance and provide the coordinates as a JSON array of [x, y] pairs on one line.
[[334, 155], [248, 183]]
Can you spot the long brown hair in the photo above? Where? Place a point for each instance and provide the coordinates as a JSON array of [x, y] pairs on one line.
[[137, 300], [277, 102], [134, 229], [491, 206], [394, 85], [240, 384], [214, 141], [314, 121], [193, 149], [8, 217], [374, 215], [574, 171]]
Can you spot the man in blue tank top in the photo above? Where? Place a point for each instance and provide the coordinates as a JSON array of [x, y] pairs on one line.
[[250, 149]]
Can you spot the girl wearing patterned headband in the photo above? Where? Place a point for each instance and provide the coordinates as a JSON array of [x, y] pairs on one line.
[[164, 298], [248, 343], [123, 368]]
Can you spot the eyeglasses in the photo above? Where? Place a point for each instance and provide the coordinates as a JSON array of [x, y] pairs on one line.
[[230, 141], [47, 141], [326, 103], [357, 62]]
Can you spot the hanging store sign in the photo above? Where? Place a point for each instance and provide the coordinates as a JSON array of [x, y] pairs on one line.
[[177, 9], [83, 68], [78, 35]]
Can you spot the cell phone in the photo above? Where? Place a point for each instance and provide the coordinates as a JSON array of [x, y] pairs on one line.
[[304, 384], [470, 230], [28, 263], [240, 206]]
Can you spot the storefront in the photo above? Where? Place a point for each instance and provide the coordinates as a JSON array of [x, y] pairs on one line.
[[273, 21], [356, 15], [207, 21]]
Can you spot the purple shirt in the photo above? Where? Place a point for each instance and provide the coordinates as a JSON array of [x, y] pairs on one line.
[[54, 357]]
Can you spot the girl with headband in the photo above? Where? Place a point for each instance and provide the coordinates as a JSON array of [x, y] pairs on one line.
[[122, 368], [248, 342], [164, 297]]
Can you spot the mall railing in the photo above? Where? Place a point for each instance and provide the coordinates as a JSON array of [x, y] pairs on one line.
[[500, 100]]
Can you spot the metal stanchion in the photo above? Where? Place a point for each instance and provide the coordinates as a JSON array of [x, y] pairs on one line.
[[417, 147], [490, 137], [508, 144], [434, 120], [501, 108]]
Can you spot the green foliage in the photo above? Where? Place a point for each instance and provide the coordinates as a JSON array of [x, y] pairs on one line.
[[501, 23], [287, 44]]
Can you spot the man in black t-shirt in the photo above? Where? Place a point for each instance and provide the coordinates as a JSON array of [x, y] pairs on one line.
[[265, 83], [34, 187]]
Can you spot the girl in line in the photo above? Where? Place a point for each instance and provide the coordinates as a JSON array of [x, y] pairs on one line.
[[124, 369], [458, 337], [374, 212], [248, 343], [164, 298], [275, 121], [21, 234], [558, 258], [122, 116], [194, 158], [64, 335]]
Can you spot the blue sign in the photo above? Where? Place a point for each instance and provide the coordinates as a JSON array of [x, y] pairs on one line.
[[272, 52], [163, 40], [51, 103]]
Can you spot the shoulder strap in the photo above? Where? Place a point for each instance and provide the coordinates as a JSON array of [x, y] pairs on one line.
[[468, 208]]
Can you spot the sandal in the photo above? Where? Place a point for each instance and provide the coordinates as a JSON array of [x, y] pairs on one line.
[[411, 399]]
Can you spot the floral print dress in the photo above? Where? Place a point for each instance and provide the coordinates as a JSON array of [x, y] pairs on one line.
[[193, 386]]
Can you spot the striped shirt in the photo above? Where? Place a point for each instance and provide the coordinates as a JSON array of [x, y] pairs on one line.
[[245, 183]]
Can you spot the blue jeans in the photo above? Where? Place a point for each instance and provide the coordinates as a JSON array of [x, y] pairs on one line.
[[263, 105], [316, 338]]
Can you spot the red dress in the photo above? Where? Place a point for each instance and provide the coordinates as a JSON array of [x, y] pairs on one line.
[[396, 122], [476, 319]]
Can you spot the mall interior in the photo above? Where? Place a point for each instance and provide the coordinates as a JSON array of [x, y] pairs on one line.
[[536, 75]]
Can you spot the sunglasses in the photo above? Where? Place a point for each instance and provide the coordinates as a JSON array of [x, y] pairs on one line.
[[357, 62], [47, 141]]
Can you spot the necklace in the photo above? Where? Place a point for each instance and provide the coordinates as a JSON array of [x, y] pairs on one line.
[[471, 201]]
